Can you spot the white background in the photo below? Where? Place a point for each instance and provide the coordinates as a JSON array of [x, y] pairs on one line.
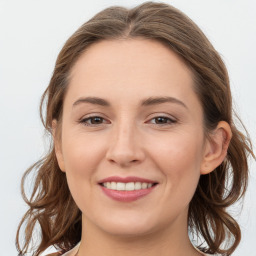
[[31, 35]]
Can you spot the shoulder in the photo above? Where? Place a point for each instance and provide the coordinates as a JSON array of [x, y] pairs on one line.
[[69, 253], [204, 254]]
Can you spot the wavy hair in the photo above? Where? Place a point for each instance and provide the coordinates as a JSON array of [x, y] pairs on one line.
[[51, 206]]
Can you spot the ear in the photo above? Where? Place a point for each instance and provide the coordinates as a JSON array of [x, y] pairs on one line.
[[57, 145], [216, 147]]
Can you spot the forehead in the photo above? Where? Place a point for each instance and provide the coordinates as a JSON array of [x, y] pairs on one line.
[[138, 54], [127, 69]]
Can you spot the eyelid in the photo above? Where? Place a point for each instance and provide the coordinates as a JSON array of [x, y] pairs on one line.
[[157, 115], [172, 119], [86, 118]]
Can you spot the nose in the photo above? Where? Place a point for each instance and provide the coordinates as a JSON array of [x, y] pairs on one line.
[[125, 147]]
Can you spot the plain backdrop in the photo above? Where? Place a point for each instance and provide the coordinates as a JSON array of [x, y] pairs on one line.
[[32, 33]]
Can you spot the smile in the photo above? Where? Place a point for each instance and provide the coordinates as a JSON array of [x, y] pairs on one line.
[[127, 189], [130, 186]]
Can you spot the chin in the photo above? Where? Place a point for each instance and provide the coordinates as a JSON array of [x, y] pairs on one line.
[[127, 227]]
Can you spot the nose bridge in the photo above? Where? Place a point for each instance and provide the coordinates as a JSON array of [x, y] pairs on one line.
[[125, 144]]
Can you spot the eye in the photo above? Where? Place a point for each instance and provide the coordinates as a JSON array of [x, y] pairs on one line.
[[98, 120], [163, 120], [93, 121]]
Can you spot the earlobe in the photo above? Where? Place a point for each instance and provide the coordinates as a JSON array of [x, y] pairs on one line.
[[57, 145], [216, 147]]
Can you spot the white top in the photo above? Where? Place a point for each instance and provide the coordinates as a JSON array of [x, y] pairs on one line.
[[75, 250], [202, 253]]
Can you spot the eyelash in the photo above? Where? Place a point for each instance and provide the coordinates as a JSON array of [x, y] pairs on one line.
[[84, 121]]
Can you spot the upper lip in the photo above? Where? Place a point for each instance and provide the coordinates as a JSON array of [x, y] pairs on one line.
[[126, 179]]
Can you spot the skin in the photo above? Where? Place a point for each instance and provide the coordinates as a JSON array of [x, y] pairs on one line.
[[129, 140]]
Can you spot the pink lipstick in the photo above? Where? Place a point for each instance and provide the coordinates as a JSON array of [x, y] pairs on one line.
[[126, 179], [124, 195]]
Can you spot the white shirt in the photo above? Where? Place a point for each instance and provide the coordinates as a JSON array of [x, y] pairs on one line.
[[75, 250]]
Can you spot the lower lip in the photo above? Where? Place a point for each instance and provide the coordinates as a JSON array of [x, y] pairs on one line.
[[126, 196]]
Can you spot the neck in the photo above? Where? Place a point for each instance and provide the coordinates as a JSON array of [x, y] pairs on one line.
[[167, 242]]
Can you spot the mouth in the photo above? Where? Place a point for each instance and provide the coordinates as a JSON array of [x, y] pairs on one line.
[[129, 186], [127, 189]]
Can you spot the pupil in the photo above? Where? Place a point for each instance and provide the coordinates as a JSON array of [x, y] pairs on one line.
[[96, 119], [161, 119]]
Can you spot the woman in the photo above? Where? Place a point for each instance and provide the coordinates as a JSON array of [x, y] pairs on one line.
[[146, 154]]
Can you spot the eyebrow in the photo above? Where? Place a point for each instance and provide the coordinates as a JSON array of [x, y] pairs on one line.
[[146, 102]]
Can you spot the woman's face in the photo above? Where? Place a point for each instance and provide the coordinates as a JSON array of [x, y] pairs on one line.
[[130, 111]]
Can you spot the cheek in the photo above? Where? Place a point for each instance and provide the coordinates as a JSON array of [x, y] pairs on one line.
[[179, 159], [178, 150], [82, 157], [82, 154], [81, 150]]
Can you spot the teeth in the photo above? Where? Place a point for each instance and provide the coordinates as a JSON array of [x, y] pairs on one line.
[[127, 186], [144, 185], [120, 186]]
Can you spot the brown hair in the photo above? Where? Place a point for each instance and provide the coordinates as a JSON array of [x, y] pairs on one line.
[[51, 204]]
